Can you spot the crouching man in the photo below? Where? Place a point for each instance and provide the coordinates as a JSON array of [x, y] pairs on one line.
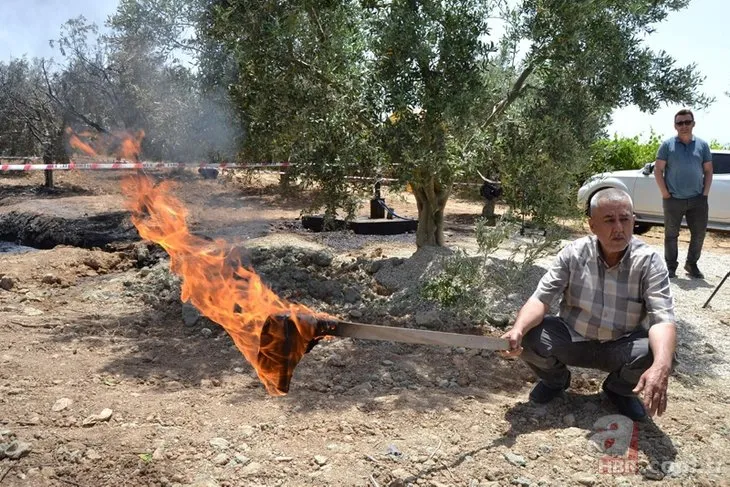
[[616, 314]]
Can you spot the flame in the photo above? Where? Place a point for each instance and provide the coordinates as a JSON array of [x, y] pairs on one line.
[[122, 144], [78, 144], [216, 283]]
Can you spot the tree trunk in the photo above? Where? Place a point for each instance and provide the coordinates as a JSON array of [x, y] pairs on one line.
[[431, 197], [55, 152], [488, 213], [49, 178]]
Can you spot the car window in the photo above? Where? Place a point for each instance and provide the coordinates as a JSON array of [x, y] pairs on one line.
[[720, 163]]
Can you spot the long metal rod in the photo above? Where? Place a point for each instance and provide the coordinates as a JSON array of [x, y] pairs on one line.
[[716, 289], [340, 328]]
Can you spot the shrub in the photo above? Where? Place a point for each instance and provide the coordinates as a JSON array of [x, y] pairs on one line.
[[621, 153]]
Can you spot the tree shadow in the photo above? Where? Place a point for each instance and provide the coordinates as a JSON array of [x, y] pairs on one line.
[[277, 202], [62, 190]]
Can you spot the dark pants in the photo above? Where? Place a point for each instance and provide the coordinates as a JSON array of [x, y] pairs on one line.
[[696, 211], [548, 349]]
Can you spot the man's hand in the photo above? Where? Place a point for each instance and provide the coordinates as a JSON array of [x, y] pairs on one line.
[[653, 388], [666, 195], [515, 343]]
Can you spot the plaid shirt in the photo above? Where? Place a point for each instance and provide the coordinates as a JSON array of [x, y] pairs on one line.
[[602, 303]]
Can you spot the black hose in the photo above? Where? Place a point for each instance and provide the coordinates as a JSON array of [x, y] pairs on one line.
[[391, 211]]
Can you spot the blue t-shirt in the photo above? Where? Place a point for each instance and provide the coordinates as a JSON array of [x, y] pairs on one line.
[[683, 173]]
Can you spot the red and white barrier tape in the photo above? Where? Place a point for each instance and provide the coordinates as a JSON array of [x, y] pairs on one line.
[[131, 165]]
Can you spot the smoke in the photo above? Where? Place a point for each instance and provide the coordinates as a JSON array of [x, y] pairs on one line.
[[122, 83], [183, 122]]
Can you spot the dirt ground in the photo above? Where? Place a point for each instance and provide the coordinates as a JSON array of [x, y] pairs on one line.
[[107, 380]]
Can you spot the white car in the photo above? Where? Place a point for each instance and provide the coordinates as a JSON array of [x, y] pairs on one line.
[[642, 187]]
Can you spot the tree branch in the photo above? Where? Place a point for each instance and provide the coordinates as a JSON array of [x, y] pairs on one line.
[[313, 16], [502, 106], [67, 106]]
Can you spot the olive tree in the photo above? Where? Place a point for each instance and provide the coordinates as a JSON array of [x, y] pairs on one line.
[[418, 88], [299, 80]]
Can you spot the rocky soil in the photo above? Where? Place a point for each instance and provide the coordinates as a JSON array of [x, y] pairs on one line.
[[107, 379]]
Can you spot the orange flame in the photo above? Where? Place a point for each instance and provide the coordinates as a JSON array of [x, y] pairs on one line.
[[78, 144], [122, 144], [217, 284]]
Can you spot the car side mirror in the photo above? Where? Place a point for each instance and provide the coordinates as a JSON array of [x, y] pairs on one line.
[[648, 168]]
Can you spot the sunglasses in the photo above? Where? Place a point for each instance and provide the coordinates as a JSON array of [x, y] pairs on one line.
[[684, 122]]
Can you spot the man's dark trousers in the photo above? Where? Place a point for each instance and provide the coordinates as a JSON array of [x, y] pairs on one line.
[[696, 211], [548, 349]]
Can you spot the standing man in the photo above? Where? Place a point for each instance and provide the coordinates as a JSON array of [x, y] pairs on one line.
[[616, 314], [683, 172]]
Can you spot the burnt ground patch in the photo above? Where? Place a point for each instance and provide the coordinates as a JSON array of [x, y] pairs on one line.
[[47, 231], [12, 193]]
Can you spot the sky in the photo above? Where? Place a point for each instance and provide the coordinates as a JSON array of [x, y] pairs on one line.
[[697, 34]]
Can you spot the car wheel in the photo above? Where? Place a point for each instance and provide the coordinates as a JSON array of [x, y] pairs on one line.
[[640, 228]]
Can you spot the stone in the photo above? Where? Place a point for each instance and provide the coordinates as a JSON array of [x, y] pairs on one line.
[[544, 449], [204, 481], [651, 474], [7, 282], [351, 295], [17, 449], [328, 291], [587, 480], [241, 458], [246, 431], [158, 454], [92, 454], [252, 468], [30, 311], [320, 460], [522, 482], [494, 474], [400, 474], [190, 314], [220, 443], [514, 459], [206, 332], [673, 469], [61, 404], [569, 419], [428, 318], [31, 420], [221, 459], [50, 279], [104, 415], [322, 258]]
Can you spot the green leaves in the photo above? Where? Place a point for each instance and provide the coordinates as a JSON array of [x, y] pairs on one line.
[[621, 153]]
